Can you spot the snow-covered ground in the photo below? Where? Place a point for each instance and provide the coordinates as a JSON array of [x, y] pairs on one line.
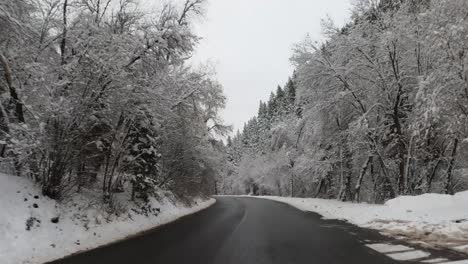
[[435, 219], [30, 233]]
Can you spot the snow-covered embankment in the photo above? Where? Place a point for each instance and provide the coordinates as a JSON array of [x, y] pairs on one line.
[[35, 229]]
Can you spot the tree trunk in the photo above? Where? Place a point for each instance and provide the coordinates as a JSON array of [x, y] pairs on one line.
[[346, 170], [215, 187], [292, 184], [431, 177], [4, 129], [448, 181], [389, 192], [394, 59], [291, 167], [63, 42], [133, 191], [319, 188], [357, 189], [19, 113], [345, 192], [401, 168], [407, 166]]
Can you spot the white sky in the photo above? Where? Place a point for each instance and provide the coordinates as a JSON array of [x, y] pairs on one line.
[[250, 42]]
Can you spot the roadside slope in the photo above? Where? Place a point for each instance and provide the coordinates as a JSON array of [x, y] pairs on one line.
[[36, 229]]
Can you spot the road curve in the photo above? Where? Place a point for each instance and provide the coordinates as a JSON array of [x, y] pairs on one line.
[[240, 231]]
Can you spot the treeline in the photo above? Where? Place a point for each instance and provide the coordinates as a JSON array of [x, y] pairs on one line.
[[98, 93], [380, 110]]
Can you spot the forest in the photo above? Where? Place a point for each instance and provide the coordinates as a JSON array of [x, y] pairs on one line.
[[376, 111], [98, 95]]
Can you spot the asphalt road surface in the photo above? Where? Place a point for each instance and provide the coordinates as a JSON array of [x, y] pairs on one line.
[[242, 231]]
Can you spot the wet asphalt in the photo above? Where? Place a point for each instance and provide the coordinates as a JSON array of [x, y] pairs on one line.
[[242, 230]]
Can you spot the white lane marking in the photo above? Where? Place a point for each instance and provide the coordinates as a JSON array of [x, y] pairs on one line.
[[437, 260], [410, 255], [457, 262], [388, 248]]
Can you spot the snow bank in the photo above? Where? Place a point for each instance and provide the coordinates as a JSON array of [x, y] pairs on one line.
[[437, 219], [30, 233]]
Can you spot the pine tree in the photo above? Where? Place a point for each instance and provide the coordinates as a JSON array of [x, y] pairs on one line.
[[290, 89]]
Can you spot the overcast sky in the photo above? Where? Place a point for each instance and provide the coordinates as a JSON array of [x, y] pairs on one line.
[[250, 42]]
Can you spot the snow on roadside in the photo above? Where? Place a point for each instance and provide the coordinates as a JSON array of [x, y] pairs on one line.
[[29, 235], [437, 219]]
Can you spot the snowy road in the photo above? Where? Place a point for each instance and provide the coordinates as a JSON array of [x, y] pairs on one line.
[[245, 231]]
